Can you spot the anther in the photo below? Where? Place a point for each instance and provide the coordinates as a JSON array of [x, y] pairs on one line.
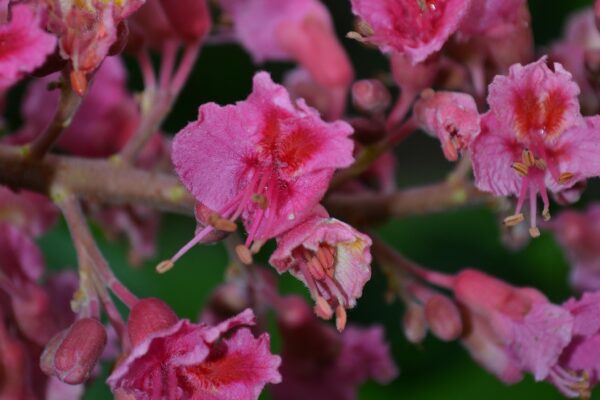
[[340, 318], [540, 164], [528, 158], [221, 224], [514, 219], [520, 168], [244, 254], [565, 177], [534, 232], [260, 200], [164, 266], [322, 308], [546, 214]]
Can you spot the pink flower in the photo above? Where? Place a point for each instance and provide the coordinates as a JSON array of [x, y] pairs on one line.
[[179, 359], [299, 30], [580, 36], [86, 32], [485, 300], [493, 17], [534, 138], [578, 233], [266, 159], [452, 117], [320, 364], [32, 213], [331, 258], [415, 28], [24, 45], [107, 118]]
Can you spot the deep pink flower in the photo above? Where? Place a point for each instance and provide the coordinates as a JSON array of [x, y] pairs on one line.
[[320, 364], [30, 212], [182, 360], [414, 28], [24, 45], [331, 258], [452, 117], [266, 159], [534, 138], [578, 233], [106, 119]]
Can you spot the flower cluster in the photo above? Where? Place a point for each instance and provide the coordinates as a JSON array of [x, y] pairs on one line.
[[296, 177]]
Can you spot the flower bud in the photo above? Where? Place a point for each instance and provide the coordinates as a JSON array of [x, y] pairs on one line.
[[148, 316], [189, 18], [370, 96], [72, 354], [413, 78], [443, 317], [414, 323]]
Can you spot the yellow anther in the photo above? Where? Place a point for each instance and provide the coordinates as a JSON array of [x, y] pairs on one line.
[[520, 168], [565, 177], [514, 219], [528, 158]]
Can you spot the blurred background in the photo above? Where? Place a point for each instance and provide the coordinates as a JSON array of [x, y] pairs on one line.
[[446, 242]]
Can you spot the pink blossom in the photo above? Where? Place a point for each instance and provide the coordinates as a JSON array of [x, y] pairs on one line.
[[21, 261], [331, 258], [534, 138], [196, 361], [580, 36], [320, 364], [266, 159], [452, 117], [299, 30], [578, 233], [485, 301], [30, 212], [493, 17], [86, 31], [106, 119], [24, 45], [415, 28]]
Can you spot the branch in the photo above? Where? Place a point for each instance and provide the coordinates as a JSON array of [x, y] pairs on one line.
[[369, 209], [96, 180]]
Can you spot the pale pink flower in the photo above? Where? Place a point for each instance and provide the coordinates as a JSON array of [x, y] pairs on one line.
[[299, 30], [331, 258], [320, 364], [182, 360], [266, 159], [493, 17], [534, 138], [580, 36], [452, 117], [24, 45], [417, 29], [578, 233]]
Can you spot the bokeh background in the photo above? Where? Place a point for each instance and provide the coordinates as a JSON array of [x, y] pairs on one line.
[[447, 242]]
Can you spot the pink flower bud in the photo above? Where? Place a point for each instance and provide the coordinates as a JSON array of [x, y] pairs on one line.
[[150, 24], [413, 77], [370, 96], [189, 18], [148, 316], [72, 354], [443, 317]]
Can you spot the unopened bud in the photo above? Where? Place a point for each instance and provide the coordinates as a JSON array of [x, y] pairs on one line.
[[370, 96], [148, 316], [443, 317], [72, 354], [414, 323], [189, 18]]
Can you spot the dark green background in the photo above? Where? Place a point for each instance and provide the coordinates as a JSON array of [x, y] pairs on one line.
[[448, 242]]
